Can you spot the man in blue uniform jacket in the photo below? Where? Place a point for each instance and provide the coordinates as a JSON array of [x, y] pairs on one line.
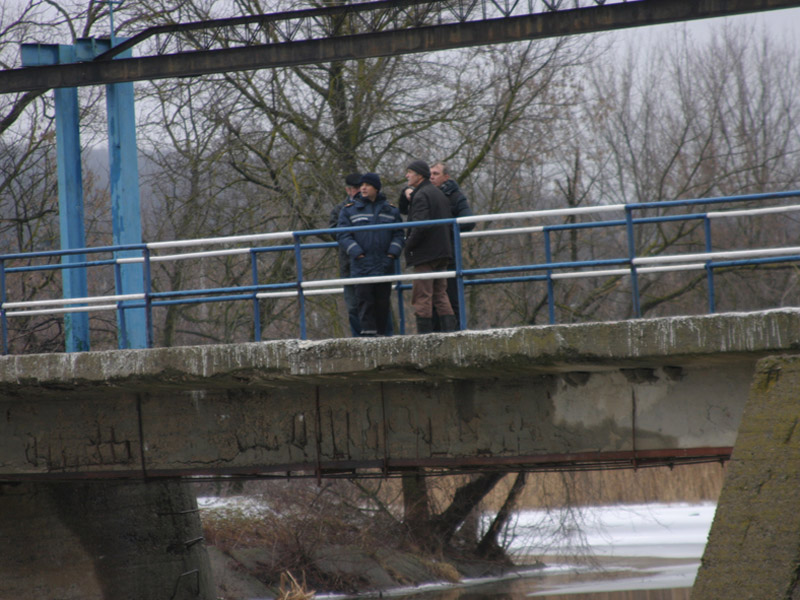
[[372, 252]]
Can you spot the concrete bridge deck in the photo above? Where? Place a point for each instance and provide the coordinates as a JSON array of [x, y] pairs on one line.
[[567, 396]]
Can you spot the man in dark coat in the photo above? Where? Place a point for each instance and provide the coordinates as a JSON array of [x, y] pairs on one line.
[[351, 184], [372, 251], [459, 207], [428, 249]]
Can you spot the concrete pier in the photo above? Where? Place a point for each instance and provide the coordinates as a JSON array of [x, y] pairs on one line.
[[102, 540], [753, 550]]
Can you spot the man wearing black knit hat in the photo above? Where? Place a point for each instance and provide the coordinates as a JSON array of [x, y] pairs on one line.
[[428, 249], [372, 252]]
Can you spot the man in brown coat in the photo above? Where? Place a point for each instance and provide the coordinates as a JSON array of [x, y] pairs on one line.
[[428, 249]]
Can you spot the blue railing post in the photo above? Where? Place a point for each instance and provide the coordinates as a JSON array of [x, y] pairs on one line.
[[148, 301], [400, 304], [301, 299], [122, 339], [462, 310], [3, 322], [256, 311], [637, 310], [712, 303], [548, 258]]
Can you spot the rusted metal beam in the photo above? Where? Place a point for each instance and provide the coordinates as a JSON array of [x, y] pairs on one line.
[[582, 461], [406, 41]]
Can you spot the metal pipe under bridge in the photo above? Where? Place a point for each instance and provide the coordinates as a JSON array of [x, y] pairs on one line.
[[621, 394]]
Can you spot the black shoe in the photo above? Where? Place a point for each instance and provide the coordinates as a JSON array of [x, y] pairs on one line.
[[449, 323], [424, 325]]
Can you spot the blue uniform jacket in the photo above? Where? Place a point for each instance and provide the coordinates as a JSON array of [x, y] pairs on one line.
[[374, 244]]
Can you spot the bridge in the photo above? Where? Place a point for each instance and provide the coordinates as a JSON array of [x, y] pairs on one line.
[[630, 393], [94, 445]]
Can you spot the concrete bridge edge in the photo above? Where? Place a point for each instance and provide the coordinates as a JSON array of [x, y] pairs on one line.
[[753, 549]]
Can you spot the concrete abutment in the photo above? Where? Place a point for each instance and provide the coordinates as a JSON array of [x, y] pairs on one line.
[[98, 540], [753, 549]]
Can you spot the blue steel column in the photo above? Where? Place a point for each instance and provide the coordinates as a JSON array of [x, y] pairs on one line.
[[125, 205], [70, 189], [70, 209]]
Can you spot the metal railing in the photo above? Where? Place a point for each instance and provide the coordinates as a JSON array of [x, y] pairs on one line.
[[547, 271]]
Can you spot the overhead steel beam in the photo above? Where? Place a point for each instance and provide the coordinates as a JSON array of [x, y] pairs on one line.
[[405, 41]]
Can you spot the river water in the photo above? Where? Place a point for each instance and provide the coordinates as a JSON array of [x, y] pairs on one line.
[[639, 552]]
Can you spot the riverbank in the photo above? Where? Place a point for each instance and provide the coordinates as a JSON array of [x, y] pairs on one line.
[[248, 553], [622, 545]]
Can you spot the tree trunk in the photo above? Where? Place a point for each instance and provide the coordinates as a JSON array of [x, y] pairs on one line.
[[488, 546], [466, 498], [416, 509]]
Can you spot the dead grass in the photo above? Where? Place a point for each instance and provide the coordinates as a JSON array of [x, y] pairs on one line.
[[683, 483], [290, 589]]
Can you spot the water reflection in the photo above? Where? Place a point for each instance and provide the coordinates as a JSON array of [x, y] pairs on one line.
[[569, 583], [639, 552]]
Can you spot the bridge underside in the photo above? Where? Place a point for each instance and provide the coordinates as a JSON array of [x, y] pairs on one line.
[[603, 395]]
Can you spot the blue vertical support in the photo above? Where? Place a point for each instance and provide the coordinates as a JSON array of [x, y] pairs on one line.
[[256, 308], [70, 188], [548, 257], [301, 299], [712, 302], [148, 301], [637, 310], [398, 286], [125, 204], [123, 341], [462, 311], [70, 210], [3, 322]]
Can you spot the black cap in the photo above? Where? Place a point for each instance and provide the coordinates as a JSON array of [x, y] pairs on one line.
[[421, 167], [372, 179], [353, 180]]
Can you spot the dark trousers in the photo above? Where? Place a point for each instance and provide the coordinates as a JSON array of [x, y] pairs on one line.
[[351, 302], [374, 306]]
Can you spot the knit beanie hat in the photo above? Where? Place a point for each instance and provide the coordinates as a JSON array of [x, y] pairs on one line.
[[421, 167], [372, 179], [353, 180]]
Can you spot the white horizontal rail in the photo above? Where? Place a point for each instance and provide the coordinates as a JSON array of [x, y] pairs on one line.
[[509, 231], [231, 239], [293, 293], [62, 301], [615, 272], [378, 279], [185, 255], [54, 311], [727, 254], [750, 212], [536, 214]]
